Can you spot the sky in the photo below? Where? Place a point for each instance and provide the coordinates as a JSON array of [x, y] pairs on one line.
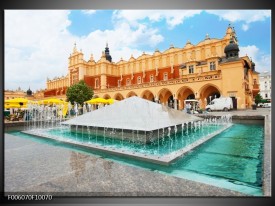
[[39, 42]]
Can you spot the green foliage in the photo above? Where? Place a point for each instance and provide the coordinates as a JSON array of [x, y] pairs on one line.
[[258, 98], [79, 93]]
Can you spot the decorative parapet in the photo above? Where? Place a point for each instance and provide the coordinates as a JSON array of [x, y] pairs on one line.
[[57, 79], [184, 80]]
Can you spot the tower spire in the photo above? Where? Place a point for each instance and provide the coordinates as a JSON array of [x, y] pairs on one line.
[[75, 49], [92, 57], [107, 53]]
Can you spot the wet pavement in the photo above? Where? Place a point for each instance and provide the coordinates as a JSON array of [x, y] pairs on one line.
[[247, 112], [37, 167]]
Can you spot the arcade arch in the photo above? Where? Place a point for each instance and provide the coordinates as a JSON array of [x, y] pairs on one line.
[[118, 97], [184, 93], [166, 97], [131, 94], [207, 93], [147, 94], [106, 96]]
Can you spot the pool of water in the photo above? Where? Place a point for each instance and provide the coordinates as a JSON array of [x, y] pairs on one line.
[[231, 159], [161, 146], [235, 155]]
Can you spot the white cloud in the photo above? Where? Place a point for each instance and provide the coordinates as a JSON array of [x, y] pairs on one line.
[[38, 44], [245, 27], [248, 16], [265, 63], [30, 28], [172, 17], [121, 39], [88, 12], [176, 17], [262, 61]]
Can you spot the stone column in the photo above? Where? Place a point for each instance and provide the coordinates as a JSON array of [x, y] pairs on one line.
[[156, 99], [180, 104], [175, 104]]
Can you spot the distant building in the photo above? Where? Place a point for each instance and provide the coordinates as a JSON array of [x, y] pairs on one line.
[[12, 94], [19, 93], [207, 70], [39, 94], [265, 85]]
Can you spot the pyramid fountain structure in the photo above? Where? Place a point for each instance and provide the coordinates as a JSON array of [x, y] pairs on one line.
[[131, 120], [134, 119]]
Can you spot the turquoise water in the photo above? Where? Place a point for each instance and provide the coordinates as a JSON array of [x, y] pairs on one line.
[[231, 159], [161, 146], [235, 155]]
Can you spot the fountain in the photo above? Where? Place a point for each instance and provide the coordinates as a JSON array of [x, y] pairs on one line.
[[133, 127], [133, 114]]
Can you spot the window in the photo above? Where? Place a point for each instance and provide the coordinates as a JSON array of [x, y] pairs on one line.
[[191, 69], [165, 76], [139, 80], [74, 78], [266, 96], [151, 78], [118, 83], [128, 82], [96, 83], [212, 66]]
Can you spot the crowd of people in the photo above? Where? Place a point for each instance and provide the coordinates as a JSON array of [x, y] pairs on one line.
[[192, 107]]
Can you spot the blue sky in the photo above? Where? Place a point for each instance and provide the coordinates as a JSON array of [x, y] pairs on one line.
[[39, 42]]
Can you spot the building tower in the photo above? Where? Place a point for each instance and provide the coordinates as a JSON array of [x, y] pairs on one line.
[[107, 53], [232, 49], [29, 92]]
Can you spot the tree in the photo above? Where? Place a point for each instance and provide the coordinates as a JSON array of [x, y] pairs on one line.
[[258, 98], [79, 93]]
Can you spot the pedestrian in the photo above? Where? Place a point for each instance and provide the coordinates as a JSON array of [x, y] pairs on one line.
[[188, 108], [75, 108]]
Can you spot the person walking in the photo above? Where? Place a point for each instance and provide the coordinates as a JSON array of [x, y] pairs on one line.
[[188, 108]]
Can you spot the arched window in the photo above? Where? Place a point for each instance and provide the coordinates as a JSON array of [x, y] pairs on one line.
[[128, 82], [74, 78], [96, 83], [165, 76], [139, 80], [151, 78]]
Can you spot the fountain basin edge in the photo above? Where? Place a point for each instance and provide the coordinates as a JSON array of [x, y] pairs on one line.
[[163, 160]]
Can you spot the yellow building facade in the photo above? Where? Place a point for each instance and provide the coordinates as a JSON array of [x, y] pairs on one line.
[[207, 70], [18, 93]]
